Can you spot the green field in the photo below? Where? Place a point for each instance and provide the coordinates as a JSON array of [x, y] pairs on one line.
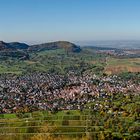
[[116, 65], [55, 61], [61, 62]]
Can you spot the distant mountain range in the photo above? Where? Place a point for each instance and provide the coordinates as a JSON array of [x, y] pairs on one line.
[[22, 50]]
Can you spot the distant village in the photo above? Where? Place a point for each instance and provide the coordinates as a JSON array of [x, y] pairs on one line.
[[121, 53]]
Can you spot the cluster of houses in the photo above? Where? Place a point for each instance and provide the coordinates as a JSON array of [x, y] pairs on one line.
[[43, 91]]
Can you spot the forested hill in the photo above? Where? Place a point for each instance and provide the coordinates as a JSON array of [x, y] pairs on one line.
[[22, 50], [56, 45]]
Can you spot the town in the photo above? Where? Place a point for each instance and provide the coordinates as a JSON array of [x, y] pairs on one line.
[[53, 92]]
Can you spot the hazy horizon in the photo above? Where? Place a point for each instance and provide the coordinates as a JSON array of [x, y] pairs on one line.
[[34, 21]]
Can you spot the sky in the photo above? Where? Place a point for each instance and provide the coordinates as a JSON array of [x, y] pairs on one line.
[[34, 21]]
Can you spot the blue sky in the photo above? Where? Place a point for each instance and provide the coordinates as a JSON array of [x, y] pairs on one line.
[[73, 20]]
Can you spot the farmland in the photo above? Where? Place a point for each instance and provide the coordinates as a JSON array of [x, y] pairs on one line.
[[116, 65]]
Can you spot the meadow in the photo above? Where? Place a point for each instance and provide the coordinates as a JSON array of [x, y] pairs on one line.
[[119, 65], [60, 62]]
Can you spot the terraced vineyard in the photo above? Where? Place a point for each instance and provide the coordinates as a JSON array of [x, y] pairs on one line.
[[121, 123]]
